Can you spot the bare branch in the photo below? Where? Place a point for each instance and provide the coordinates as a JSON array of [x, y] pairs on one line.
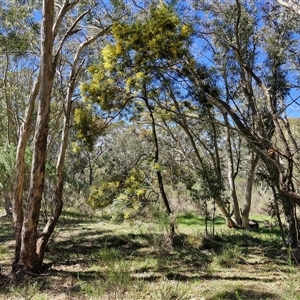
[[290, 5], [63, 10]]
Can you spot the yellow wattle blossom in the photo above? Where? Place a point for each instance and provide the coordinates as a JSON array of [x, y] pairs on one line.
[[140, 75], [140, 192], [129, 84], [186, 30], [108, 54]]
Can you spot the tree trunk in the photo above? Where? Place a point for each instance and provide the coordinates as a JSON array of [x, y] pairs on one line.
[[28, 255], [248, 197], [289, 209], [158, 173], [58, 194], [277, 212], [17, 208], [231, 176], [30, 248]]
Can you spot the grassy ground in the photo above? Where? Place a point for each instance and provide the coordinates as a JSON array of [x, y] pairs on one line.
[[94, 259]]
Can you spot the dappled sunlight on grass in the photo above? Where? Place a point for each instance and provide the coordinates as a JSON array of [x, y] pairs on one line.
[[96, 259]]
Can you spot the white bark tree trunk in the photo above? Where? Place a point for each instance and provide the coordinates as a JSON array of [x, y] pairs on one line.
[[231, 175], [249, 186], [17, 204], [28, 255]]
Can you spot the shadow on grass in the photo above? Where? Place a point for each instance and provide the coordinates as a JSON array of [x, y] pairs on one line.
[[77, 219], [181, 277], [149, 256], [243, 239], [243, 294], [185, 261]]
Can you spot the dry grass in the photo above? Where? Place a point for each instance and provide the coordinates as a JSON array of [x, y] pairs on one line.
[[94, 259]]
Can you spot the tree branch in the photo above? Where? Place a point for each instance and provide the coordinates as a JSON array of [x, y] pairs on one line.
[[290, 5]]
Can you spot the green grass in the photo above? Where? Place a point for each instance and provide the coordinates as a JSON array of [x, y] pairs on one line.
[[190, 219], [95, 259]]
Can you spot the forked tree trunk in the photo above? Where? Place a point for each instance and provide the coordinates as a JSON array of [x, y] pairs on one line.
[[17, 205], [28, 255], [58, 194]]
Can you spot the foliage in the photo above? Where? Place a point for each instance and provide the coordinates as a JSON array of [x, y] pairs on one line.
[[140, 49], [7, 167], [211, 183], [122, 173], [7, 162], [128, 195], [133, 197], [88, 126], [15, 38], [103, 195]]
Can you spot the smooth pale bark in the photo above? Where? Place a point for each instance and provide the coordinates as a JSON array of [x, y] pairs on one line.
[[17, 208], [249, 187], [28, 255], [231, 178]]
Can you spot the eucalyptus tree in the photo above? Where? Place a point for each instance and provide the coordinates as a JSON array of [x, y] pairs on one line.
[[257, 38], [184, 106], [223, 66], [64, 25]]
